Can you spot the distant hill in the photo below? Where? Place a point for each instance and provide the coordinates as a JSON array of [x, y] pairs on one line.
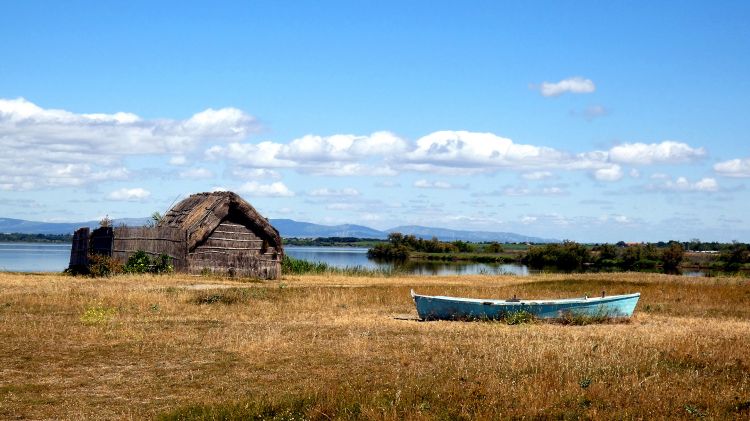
[[445, 234], [289, 228], [8, 225]]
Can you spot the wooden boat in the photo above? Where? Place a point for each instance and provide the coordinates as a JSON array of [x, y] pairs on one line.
[[457, 308]]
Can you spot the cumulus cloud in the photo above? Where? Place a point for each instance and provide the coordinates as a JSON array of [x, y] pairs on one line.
[[682, 184], [611, 173], [178, 160], [136, 194], [58, 147], [574, 85], [425, 184], [277, 189], [325, 192], [444, 152], [667, 152], [337, 155], [537, 175], [738, 168], [525, 191], [472, 152]]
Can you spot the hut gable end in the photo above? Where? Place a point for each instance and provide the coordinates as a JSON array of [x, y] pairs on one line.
[[201, 214], [224, 233]]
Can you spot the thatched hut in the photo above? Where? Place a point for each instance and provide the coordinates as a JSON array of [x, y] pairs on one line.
[[215, 232]]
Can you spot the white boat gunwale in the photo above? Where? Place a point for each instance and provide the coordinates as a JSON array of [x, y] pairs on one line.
[[486, 301]]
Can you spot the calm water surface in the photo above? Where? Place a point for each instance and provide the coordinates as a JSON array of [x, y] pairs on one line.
[[349, 257], [34, 257], [37, 257]]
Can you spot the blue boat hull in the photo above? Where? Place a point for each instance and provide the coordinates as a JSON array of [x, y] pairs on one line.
[[455, 308]]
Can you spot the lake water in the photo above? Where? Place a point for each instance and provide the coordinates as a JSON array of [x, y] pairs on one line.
[[40, 257], [34, 257], [349, 257], [37, 257]]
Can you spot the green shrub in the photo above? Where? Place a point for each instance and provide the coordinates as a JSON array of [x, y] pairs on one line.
[[139, 262], [566, 256], [163, 264]]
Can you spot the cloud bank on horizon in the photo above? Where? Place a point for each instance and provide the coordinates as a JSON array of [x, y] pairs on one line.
[[60, 148]]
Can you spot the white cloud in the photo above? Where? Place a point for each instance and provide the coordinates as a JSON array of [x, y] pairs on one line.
[[706, 184], [325, 192], [621, 219], [425, 184], [197, 173], [337, 155], [131, 195], [472, 152], [738, 168], [50, 147], [178, 160], [277, 189], [611, 173], [667, 152], [537, 175], [682, 184], [574, 85]]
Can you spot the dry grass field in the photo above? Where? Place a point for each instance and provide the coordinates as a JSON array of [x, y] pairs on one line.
[[336, 347]]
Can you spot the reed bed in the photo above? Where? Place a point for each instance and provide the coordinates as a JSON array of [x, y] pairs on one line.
[[335, 346]]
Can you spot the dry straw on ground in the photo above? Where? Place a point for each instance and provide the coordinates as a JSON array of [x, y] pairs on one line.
[[341, 347]]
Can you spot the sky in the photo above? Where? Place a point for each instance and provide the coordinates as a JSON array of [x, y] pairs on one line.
[[588, 121]]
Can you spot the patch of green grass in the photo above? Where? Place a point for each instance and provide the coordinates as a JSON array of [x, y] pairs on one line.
[[292, 266], [98, 314], [518, 317]]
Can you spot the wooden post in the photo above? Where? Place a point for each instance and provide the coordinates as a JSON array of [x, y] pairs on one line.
[[79, 252]]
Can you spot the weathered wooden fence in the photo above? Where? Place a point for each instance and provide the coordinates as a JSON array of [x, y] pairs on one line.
[[79, 252], [100, 241], [152, 240]]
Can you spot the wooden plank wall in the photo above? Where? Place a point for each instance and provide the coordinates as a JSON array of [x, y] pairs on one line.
[[154, 241], [79, 252], [100, 241], [234, 249]]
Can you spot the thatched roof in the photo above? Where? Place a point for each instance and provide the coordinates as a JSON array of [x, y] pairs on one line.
[[201, 213]]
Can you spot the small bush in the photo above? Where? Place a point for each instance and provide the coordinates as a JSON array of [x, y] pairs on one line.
[[139, 262], [163, 264], [103, 266]]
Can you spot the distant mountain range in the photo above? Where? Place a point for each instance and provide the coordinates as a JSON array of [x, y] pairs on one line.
[[291, 228]]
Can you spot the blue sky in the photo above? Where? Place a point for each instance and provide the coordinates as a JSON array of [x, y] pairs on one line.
[[574, 120]]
